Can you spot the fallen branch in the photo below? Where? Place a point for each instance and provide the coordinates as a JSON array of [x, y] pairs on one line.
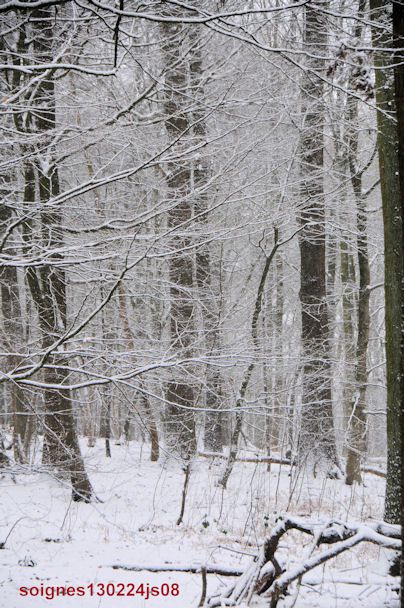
[[192, 568], [279, 587], [256, 459], [280, 460], [265, 575], [373, 471]]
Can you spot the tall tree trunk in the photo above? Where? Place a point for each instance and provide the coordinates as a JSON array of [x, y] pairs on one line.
[[279, 396], [398, 35], [206, 279], [273, 373], [12, 335], [393, 255], [317, 436], [357, 428], [180, 391], [267, 375], [47, 283], [347, 273]]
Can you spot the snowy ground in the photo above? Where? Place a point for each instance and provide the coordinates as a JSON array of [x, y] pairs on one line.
[[60, 543]]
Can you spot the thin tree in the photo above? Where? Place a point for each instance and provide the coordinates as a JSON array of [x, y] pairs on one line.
[[207, 280], [357, 426]]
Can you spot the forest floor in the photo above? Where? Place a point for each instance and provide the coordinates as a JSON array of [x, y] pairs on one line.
[[61, 543]]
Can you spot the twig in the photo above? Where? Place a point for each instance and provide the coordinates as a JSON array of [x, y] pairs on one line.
[[3, 544]]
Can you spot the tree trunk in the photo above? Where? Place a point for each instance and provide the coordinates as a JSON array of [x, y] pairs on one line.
[[398, 36], [12, 338], [317, 437], [180, 391], [347, 272], [279, 396], [47, 283], [357, 429], [393, 255], [150, 421], [207, 280]]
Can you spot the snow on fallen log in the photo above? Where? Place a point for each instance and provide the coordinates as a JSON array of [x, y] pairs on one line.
[[256, 458], [373, 471], [273, 459], [265, 575], [192, 568]]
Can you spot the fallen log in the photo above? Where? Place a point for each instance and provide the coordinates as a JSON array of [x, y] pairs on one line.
[[281, 460], [192, 568], [257, 459], [265, 575], [373, 471]]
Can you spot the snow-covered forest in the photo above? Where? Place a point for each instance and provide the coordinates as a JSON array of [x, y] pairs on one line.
[[201, 302]]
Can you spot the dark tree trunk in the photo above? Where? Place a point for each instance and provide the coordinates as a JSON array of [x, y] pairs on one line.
[[105, 423], [317, 437], [12, 336], [393, 256], [180, 392], [398, 34], [47, 283]]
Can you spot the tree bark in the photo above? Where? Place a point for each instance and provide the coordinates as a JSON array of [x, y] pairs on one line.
[[12, 340], [398, 36], [47, 283], [180, 392], [317, 437], [150, 421], [206, 281], [348, 282], [357, 429], [393, 255]]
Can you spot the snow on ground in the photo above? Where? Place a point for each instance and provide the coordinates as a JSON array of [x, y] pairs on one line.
[[61, 543]]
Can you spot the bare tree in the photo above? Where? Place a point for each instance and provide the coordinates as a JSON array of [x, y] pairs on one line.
[[391, 200], [47, 283], [317, 438], [180, 392]]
